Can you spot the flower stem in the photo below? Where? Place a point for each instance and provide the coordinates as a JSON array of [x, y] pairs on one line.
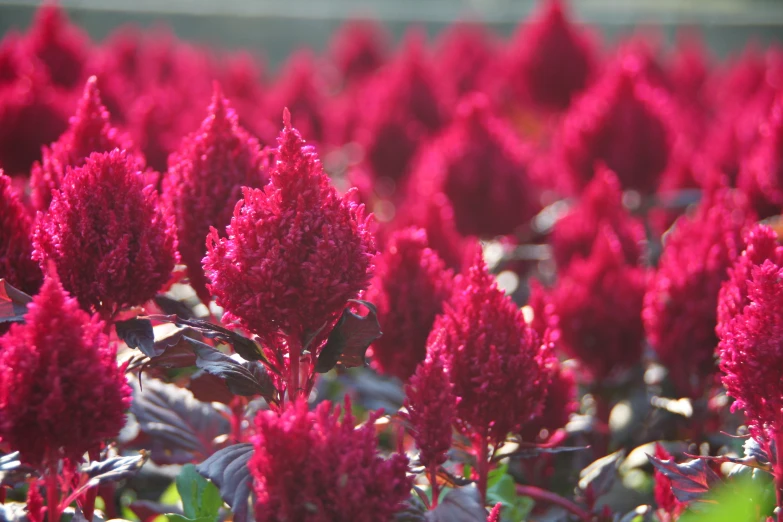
[[295, 352], [53, 494], [433, 473], [482, 466], [553, 498]]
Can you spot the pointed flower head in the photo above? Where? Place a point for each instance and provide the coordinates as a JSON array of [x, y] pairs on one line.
[[88, 131], [296, 252], [696, 256], [358, 49], [410, 285], [496, 362], [112, 246], [761, 173], [550, 59], [205, 181], [16, 248], [751, 343], [60, 45], [561, 402], [312, 466], [61, 391], [466, 56], [598, 305], [600, 205]]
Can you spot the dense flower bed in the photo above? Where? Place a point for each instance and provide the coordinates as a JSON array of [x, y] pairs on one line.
[[542, 274]]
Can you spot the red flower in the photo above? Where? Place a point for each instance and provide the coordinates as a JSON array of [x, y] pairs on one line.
[[598, 304], [431, 411], [561, 402], [358, 49], [112, 246], [669, 508], [410, 286], [205, 181], [600, 205], [494, 515], [751, 357], [483, 169], [550, 60], [16, 248], [496, 362], [466, 58], [61, 391], [89, 131], [310, 466], [681, 300], [296, 252], [61, 46], [761, 173]]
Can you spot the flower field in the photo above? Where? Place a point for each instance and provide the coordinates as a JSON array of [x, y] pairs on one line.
[[460, 279]]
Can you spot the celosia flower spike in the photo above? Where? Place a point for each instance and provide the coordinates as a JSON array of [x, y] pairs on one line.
[[205, 181], [311, 466], [109, 241], [669, 508], [16, 248], [409, 288], [89, 131], [61, 391]]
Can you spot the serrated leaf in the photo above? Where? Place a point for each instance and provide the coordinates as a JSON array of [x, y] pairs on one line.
[[228, 470], [601, 474], [459, 505], [349, 339], [691, 480], [181, 428], [248, 378], [200, 498], [138, 333], [13, 303]]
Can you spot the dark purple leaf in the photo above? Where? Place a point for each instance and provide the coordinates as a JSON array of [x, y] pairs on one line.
[[600, 475], [459, 505], [12, 471], [208, 388], [691, 480], [228, 470], [13, 303], [173, 351], [172, 306], [137, 333], [113, 469], [180, 427], [248, 378], [349, 340]]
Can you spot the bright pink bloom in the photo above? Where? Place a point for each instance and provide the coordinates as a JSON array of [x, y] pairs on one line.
[[761, 173], [296, 252], [89, 131], [550, 60], [358, 49], [61, 391], [431, 411], [600, 205], [410, 285], [60, 45], [480, 164], [16, 248], [111, 244], [669, 508], [311, 466], [696, 256], [561, 402], [465, 58], [598, 303], [494, 515], [622, 121], [496, 362], [205, 181]]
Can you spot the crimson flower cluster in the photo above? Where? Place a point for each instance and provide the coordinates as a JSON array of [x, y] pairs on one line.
[[16, 248]]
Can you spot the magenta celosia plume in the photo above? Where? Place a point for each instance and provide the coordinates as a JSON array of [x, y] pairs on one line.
[[761, 172], [600, 205], [111, 244], [410, 285], [205, 181], [358, 49], [296, 252], [696, 256], [561, 402], [498, 365], [61, 391], [312, 466], [466, 58], [89, 131], [16, 247], [598, 304]]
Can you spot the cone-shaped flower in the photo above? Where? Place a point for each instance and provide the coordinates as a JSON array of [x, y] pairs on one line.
[[358, 49], [497, 363], [16, 248], [296, 252], [600, 205], [61, 46], [111, 244], [465, 59], [550, 60], [561, 402], [205, 181], [696, 256], [598, 304], [483, 168], [761, 173], [89, 131], [751, 344], [312, 466], [410, 285], [61, 391]]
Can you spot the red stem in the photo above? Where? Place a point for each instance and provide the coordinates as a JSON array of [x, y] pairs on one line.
[[553, 498], [237, 412], [53, 494], [482, 466], [295, 352], [779, 472], [433, 472]]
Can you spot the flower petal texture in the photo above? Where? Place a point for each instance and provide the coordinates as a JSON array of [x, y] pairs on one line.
[[16, 247]]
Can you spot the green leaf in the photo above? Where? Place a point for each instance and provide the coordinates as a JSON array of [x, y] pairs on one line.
[[201, 500], [738, 501], [502, 489]]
